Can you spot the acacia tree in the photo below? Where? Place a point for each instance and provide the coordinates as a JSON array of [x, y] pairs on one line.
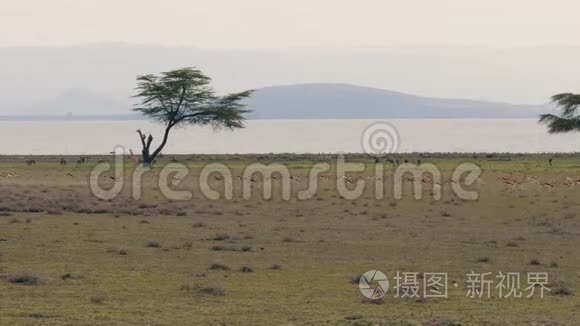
[[569, 119], [184, 97]]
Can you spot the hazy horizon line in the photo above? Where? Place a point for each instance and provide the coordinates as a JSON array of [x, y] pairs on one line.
[[292, 48]]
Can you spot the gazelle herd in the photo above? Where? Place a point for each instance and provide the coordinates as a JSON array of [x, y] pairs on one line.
[[347, 179], [511, 181], [515, 182]]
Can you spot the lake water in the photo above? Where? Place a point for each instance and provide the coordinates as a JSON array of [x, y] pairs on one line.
[[285, 136]]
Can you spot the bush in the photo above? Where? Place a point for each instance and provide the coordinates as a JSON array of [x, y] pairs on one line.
[[535, 262], [289, 239], [213, 290], [72, 276], [373, 301], [219, 267], [24, 278], [153, 244], [483, 259], [218, 248], [560, 288], [188, 245], [221, 237], [97, 299]]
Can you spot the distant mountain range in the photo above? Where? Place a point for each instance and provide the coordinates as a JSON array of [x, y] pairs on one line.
[[341, 101], [302, 101], [96, 81]]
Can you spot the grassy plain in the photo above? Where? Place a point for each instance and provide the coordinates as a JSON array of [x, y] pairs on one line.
[[68, 258]]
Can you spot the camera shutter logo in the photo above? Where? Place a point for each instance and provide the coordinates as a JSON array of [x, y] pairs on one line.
[[377, 292]]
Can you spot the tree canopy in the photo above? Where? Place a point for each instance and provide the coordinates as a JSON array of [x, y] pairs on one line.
[[569, 119], [185, 97]]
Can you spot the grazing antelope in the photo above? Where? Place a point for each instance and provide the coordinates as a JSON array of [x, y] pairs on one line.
[[548, 185], [510, 181], [134, 158], [569, 182], [532, 180], [31, 162], [62, 161], [81, 160], [347, 179]]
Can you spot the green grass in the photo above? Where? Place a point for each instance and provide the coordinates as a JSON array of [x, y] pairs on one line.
[[333, 239]]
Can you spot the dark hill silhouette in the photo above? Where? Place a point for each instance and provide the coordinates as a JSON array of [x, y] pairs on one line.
[[342, 101], [302, 101]]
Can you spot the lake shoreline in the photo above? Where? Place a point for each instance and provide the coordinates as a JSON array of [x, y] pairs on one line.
[[290, 136], [309, 157]]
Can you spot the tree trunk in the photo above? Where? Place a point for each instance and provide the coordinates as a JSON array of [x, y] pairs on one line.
[[148, 157], [146, 144]]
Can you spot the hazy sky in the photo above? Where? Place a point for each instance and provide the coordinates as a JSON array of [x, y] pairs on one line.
[[292, 23]]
